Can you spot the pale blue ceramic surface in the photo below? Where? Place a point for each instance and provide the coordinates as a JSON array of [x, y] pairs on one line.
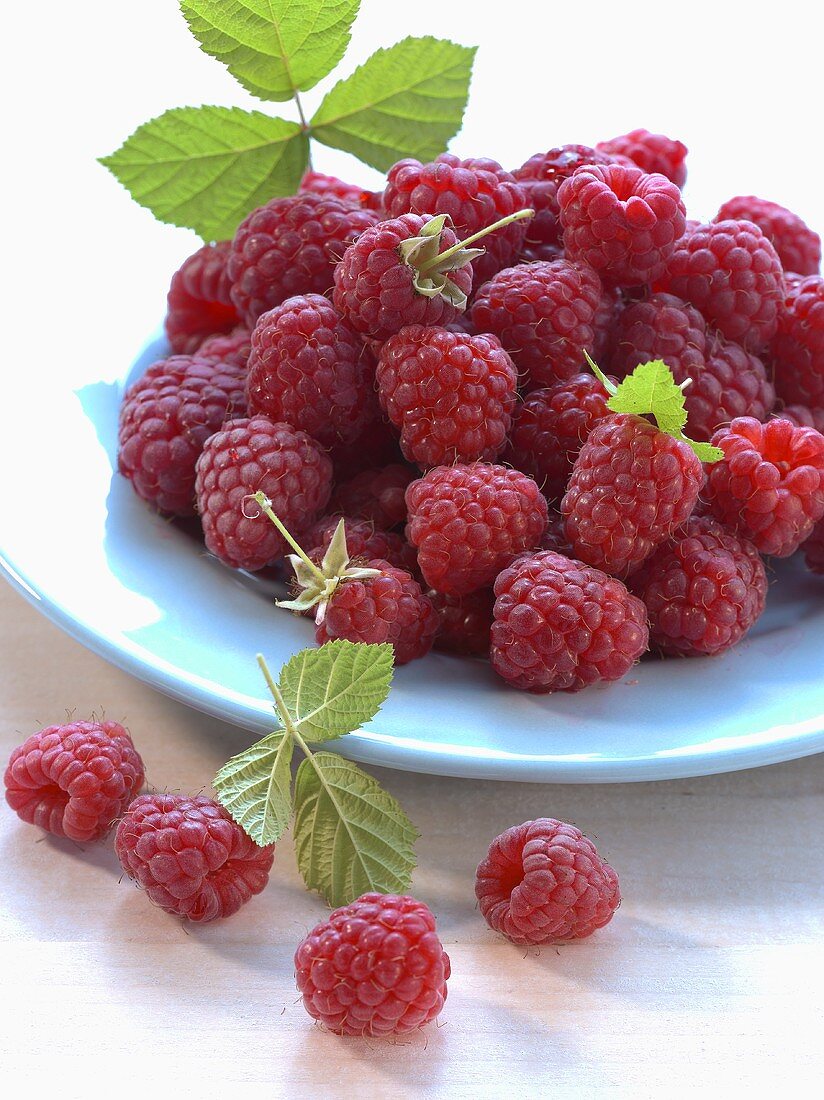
[[81, 546]]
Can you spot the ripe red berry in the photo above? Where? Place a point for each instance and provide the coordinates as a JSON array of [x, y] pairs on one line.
[[165, 419], [769, 487], [377, 495], [561, 625], [469, 521], [703, 590], [450, 395], [290, 246], [474, 193], [198, 302], [363, 540], [229, 347], [545, 316], [651, 152], [74, 780], [252, 455], [375, 967], [543, 882], [804, 417], [332, 187], [190, 857], [732, 274], [797, 352], [631, 487], [621, 221], [813, 549], [465, 621], [375, 448], [798, 247], [309, 369], [540, 177]]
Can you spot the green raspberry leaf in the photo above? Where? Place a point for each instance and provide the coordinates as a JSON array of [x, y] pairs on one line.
[[255, 787], [705, 451], [332, 690], [351, 836], [404, 101], [273, 47], [206, 167]]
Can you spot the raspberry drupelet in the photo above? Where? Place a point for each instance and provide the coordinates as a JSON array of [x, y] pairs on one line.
[[199, 302], [374, 968], [798, 247], [332, 187], [377, 495], [190, 857], [228, 347], [804, 417], [449, 394], [74, 780], [540, 177], [769, 487], [797, 352], [561, 625], [651, 152], [469, 521], [544, 882], [813, 549], [465, 621]]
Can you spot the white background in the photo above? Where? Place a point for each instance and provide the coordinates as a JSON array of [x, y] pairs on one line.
[[87, 268]]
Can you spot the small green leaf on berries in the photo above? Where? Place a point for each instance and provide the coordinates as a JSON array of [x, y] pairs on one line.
[[351, 836], [255, 787]]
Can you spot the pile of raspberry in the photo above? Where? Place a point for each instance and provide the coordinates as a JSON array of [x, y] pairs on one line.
[[344, 356]]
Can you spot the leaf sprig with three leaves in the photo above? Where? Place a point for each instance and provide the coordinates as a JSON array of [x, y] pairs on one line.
[[206, 167], [351, 836]]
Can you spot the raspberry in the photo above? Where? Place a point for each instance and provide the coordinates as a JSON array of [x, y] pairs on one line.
[[769, 487], [555, 536], [74, 780], [288, 247], [198, 302], [544, 881], [540, 253], [727, 381], [375, 448], [798, 348], [469, 522], [544, 314], [333, 188], [375, 287], [165, 419], [551, 427], [474, 193], [703, 590], [813, 549], [190, 857], [451, 395], [375, 967], [631, 487], [540, 177], [251, 455], [651, 152], [804, 417], [309, 369], [561, 625], [732, 274], [465, 621], [230, 347], [387, 608], [798, 247], [376, 495], [621, 221], [363, 540]]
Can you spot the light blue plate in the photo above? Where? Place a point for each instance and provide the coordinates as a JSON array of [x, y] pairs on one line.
[[80, 545]]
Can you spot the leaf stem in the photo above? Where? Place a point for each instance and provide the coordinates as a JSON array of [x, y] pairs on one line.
[[305, 127], [519, 215], [266, 506], [280, 703]]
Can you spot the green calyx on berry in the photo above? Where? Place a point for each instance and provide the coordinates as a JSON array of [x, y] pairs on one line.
[[652, 391], [316, 584], [431, 267]]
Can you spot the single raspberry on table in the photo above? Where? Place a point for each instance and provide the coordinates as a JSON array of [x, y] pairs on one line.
[[377, 495], [540, 177], [290, 246], [769, 487], [621, 221], [332, 187], [308, 368], [165, 419], [465, 621], [813, 549], [545, 316], [703, 590], [473, 193], [363, 539], [228, 347], [190, 857], [199, 303], [804, 417], [732, 274], [550, 428], [450, 395], [651, 152], [469, 521], [543, 882], [561, 625], [797, 352], [798, 247], [75, 779], [375, 967], [250, 455]]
